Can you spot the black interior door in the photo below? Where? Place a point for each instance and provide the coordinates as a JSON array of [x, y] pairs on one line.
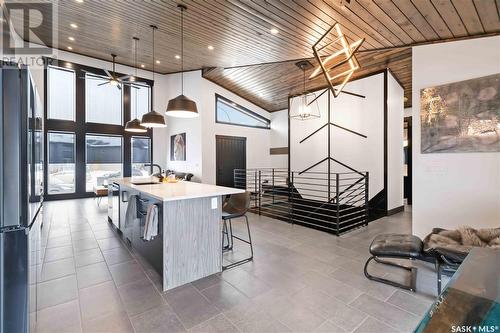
[[231, 152]]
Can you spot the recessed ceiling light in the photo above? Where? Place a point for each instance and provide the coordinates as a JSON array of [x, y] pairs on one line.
[[73, 25], [71, 38], [177, 56], [274, 31], [157, 61], [79, 1], [261, 94], [210, 47], [68, 65], [142, 65], [70, 48]]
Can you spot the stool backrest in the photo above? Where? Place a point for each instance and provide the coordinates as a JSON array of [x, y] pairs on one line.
[[237, 203]]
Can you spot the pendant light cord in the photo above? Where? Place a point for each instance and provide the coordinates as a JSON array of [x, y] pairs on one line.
[[154, 53], [135, 65], [182, 51], [304, 81]]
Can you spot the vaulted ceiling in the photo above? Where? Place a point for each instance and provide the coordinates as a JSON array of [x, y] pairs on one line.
[[240, 33]]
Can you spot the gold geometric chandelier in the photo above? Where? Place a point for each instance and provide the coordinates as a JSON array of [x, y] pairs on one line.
[[329, 62]]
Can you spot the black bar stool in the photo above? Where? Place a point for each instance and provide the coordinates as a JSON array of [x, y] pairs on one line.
[[235, 206]]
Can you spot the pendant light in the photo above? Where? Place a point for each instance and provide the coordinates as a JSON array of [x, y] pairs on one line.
[[134, 125], [304, 106], [153, 118], [182, 106]]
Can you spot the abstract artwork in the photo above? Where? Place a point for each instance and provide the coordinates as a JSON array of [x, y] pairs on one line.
[[178, 147], [461, 117]]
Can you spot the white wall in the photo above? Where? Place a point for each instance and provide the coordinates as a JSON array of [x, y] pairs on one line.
[[192, 127], [201, 131], [395, 158], [363, 115], [258, 139], [279, 138], [453, 189]]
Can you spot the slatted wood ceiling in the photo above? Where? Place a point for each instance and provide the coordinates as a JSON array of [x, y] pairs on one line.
[[239, 30], [269, 85]]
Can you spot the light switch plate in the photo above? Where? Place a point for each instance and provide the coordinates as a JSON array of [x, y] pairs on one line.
[[214, 203]]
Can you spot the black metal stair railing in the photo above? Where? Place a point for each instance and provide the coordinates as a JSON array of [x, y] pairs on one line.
[[335, 203]]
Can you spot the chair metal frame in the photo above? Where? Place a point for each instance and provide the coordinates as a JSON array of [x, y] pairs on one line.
[[228, 233]]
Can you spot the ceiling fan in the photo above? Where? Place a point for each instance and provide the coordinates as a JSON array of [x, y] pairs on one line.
[[111, 77]]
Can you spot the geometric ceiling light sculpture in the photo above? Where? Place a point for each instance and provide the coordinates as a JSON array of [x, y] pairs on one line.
[[344, 60], [153, 118], [182, 106], [304, 106], [134, 125]]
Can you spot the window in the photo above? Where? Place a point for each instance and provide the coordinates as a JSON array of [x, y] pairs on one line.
[[61, 165], [61, 93], [139, 100], [141, 154], [103, 101], [104, 159], [228, 112]]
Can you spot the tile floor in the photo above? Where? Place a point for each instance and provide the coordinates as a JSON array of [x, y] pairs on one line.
[[301, 280]]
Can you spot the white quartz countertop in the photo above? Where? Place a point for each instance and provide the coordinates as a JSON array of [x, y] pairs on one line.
[[181, 190]]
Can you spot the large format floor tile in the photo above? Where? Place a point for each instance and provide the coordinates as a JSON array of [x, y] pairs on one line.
[[64, 317], [301, 280]]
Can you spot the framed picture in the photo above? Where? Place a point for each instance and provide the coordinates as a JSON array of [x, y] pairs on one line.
[[461, 117], [178, 147]]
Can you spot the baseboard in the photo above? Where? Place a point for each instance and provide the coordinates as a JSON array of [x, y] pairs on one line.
[[396, 210]]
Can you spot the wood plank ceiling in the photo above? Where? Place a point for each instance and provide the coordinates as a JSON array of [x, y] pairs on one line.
[[240, 33], [269, 85]]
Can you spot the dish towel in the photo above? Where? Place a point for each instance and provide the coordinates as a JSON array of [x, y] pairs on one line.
[[131, 212], [151, 223]]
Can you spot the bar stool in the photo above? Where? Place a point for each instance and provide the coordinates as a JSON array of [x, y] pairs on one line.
[[235, 206]]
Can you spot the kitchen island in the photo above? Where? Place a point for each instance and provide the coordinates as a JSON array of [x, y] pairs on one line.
[[189, 242]]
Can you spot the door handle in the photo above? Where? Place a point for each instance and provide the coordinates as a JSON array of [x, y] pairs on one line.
[[123, 196]]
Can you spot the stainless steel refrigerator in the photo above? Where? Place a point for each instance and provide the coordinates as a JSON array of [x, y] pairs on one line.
[[21, 183]]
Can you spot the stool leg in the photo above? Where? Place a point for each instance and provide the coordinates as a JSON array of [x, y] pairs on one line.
[[225, 233], [231, 234], [249, 241], [412, 270], [249, 238]]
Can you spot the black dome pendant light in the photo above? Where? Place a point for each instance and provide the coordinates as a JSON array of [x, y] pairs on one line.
[[153, 118], [182, 106], [134, 125]]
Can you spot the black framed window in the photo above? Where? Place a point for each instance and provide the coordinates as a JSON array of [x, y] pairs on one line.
[[140, 100], [104, 159], [103, 101], [62, 99], [61, 163], [141, 155], [228, 112], [93, 119]]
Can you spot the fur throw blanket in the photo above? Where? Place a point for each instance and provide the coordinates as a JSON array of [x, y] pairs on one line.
[[463, 239]]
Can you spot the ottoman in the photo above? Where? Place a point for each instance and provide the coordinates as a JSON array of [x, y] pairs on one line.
[[395, 246]]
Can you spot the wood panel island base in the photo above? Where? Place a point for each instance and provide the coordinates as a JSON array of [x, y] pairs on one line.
[[189, 242]]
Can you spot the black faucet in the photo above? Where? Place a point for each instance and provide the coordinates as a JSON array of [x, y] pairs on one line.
[[154, 165]]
